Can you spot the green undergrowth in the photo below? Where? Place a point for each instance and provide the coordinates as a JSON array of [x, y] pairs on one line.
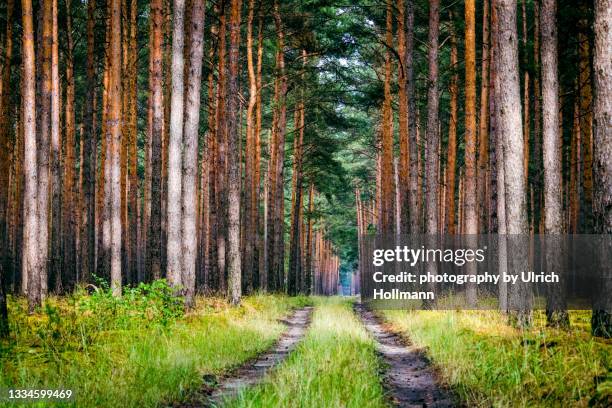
[[489, 363], [334, 366], [138, 351]]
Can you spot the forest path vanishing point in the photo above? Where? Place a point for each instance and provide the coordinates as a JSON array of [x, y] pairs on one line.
[[254, 370], [409, 377]]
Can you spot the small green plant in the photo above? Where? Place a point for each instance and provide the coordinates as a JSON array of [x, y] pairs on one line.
[[148, 304]]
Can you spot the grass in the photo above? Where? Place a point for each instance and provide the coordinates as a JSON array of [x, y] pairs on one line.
[[489, 363], [132, 357], [334, 366]]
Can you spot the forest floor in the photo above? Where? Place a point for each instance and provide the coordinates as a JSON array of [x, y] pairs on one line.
[[142, 351], [336, 365], [488, 363], [121, 353], [252, 372]]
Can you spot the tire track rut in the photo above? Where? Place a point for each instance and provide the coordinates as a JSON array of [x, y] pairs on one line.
[[216, 390], [409, 377]]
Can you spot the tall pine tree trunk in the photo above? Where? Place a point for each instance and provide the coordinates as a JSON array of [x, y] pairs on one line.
[[404, 160], [38, 284], [483, 129], [233, 149], [113, 127], [56, 159], [157, 122], [175, 147], [388, 188], [433, 136], [249, 173], [190, 152], [6, 145], [510, 127], [601, 322], [451, 157], [90, 152], [30, 262], [556, 312], [70, 180]]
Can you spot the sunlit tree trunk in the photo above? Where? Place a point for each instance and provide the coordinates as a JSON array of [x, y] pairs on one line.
[[260, 195], [233, 150], [113, 127], [104, 193], [31, 249], [249, 175], [510, 127], [388, 188], [471, 216], [190, 152], [175, 148], [556, 312], [38, 284], [601, 322]]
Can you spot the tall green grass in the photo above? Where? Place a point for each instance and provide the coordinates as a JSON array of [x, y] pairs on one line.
[[115, 355], [334, 366], [489, 363]]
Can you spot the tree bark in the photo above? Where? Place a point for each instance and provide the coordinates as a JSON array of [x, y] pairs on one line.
[[157, 123], [556, 313], [451, 156], [404, 161], [56, 152], [233, 148], [113, 127], [388, 188], [38, 283], [471, 216], [190, 153], [526, 119], [221, 189], [134, 219], [249, 173], [90, 150], [70, 180], [586, 119], [510, 127], [413, 147], [483, 136], [175, 147], [30, 255], [433, 136], [601, 322], [5, 141]]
